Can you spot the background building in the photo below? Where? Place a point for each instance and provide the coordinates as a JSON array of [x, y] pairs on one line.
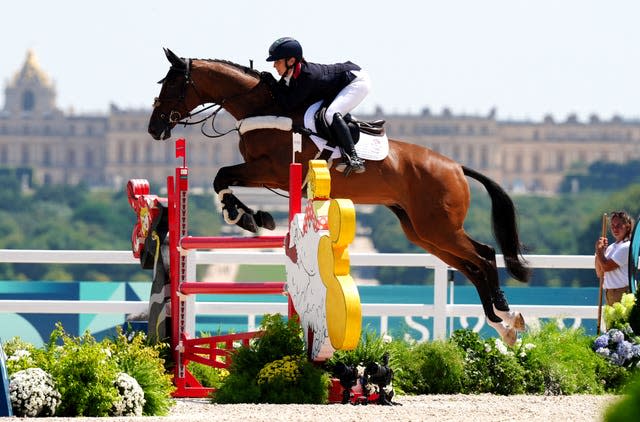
[[53, 146]]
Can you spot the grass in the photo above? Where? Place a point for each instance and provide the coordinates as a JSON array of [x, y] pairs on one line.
[[261, 273]]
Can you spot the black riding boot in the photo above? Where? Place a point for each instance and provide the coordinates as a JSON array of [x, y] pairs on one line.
[[343, 136]]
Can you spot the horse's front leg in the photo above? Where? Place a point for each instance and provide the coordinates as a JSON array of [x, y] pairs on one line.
[[235, 211]]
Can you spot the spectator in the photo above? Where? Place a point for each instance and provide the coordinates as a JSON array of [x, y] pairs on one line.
[[612, 260]]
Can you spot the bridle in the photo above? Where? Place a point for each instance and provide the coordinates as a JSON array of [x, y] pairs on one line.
[[175, 117]]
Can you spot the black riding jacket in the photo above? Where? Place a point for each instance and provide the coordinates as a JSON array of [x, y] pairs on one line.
[[313, 83]]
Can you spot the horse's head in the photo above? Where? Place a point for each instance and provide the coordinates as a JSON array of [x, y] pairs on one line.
[[175, 101], [191, 83]]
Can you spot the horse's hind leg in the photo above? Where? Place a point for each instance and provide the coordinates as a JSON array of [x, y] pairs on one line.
[[479, 275], [478, 266], [500, 304]]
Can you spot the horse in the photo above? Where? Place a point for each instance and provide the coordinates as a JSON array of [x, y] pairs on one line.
[[428, 192]]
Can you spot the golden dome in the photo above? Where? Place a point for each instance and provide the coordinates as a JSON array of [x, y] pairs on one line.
[[31, 72]]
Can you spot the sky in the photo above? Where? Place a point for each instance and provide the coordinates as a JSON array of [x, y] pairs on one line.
[[525, 58]]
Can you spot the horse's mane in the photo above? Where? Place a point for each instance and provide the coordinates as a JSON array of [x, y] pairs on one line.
[[245, 69]]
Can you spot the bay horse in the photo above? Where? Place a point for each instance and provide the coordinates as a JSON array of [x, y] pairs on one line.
[[428, 192]]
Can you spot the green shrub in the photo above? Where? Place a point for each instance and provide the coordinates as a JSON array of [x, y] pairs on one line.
[[290, 380], [206, 375], [627, 408], [489, 366], [370, 348], [83, 373], [565, 360], [437, 367], [22, 355], [634, 314], [89, 374], [143, 362]]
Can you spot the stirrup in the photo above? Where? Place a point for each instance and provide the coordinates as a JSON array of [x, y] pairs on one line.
[[353, 164]]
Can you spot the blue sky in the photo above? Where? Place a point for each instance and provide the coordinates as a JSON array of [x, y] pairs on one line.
[[525, 58]]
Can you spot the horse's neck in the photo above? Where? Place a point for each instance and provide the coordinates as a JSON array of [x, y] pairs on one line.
[[232, 88]]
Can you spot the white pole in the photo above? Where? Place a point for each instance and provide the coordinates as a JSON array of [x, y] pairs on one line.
[[440, 301]]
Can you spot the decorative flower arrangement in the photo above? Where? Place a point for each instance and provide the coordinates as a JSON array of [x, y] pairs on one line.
[[285, 370], [616, 347], [33, 393], [131, 402]]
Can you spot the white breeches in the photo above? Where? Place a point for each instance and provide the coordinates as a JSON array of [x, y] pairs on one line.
[[350, 96]]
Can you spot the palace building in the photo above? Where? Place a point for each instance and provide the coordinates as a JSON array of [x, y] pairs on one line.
[[43, 143]]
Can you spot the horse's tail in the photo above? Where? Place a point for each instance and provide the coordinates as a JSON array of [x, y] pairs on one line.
[[504, 224]]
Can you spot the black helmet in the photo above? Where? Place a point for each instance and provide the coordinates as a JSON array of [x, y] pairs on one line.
[[283, 48]]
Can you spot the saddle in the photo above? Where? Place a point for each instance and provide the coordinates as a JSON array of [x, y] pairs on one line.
[[373, 128]]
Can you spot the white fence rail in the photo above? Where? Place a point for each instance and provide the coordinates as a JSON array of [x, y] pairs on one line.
[[440, 311]]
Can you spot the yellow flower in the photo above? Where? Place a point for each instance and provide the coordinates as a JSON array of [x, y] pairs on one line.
[[286, 369]]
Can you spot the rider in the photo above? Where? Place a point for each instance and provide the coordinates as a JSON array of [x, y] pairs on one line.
[[344, 85]]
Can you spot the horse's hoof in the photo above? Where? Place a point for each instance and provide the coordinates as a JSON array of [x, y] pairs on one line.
[[248, 223], [513, 319], [518, 322], [510, 337], [265, 220], [508, 334]]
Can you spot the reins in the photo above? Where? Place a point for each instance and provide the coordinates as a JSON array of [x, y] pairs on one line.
[[177, 118]]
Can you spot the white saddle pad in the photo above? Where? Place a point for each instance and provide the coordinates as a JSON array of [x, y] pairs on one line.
[[369, 147]]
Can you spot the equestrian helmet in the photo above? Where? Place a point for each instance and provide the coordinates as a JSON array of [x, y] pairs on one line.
[[283, 48]]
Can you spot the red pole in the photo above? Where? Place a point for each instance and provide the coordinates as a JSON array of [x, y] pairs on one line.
[[203, 287], [295, 189], [295, 200], [222, 242]]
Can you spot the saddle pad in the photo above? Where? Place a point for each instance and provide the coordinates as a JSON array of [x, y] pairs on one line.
[[369, 147]]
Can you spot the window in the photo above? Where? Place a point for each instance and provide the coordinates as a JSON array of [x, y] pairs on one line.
[[560, 161], [71, 158], [24, 159], [535, 163], [484, 157], [88, 158], [470, 156], [517, 163], [28, 101], [120, 152], [456, 152], [46, 156]]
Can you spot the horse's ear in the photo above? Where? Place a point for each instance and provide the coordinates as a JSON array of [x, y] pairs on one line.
[[173, 59]]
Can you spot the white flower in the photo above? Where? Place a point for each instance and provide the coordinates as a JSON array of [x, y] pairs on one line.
[[131, 401], [501, 347], [19, 354], [33, 393]]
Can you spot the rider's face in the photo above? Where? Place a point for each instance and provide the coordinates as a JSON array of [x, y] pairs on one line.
[[281, 66]]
